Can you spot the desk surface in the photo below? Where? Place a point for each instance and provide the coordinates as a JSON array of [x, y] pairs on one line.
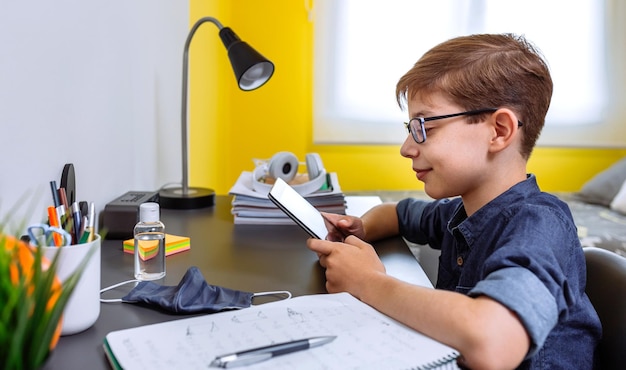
[[252, 258]]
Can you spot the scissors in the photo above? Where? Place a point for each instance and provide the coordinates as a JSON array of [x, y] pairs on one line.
[[42, 235]]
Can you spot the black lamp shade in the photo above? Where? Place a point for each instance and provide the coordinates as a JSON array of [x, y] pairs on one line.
[[251, 69]]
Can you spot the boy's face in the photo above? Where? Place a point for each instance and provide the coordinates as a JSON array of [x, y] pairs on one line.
[[454, 159]]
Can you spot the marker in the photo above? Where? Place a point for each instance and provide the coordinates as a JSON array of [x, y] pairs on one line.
[[253, 356], [53, 220], [85, 237], [63, 198], [67, 212], [61, 216], [84, 222]]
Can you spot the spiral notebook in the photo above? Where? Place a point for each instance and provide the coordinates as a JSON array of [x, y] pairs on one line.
[[366, 339]]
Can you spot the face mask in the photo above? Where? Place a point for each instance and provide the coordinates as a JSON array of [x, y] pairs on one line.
[[192, 295]]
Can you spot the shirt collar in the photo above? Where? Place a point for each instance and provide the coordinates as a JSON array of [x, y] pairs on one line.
[[472, 227]]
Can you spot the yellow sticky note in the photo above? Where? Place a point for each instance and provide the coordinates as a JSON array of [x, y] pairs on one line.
[[173, 244]]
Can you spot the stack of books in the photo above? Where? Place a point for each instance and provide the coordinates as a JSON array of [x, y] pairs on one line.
[[251, 207]]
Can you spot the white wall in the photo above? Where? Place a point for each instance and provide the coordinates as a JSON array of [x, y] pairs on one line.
[[94, 83]]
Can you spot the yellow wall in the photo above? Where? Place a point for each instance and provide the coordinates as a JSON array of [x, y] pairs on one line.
[[229, 127]]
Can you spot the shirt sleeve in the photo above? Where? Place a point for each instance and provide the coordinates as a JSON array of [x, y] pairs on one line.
[[409, 213], [424, 222], [523, 293]]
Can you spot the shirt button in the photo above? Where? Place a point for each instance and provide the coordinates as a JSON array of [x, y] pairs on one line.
[[459, 261]]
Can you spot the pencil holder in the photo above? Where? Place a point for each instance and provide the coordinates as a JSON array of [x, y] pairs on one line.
[[83, 308]]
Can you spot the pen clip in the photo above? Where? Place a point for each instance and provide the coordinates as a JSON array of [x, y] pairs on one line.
[[240, 360]]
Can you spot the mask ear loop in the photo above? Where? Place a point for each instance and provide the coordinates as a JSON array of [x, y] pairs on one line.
[[285, 293], [115, 300]]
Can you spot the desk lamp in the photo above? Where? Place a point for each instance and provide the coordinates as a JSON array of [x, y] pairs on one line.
[[251, 70]]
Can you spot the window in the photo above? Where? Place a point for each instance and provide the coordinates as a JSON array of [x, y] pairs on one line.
[[363, 47]]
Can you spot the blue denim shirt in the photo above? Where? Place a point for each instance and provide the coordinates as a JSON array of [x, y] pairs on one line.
[[522, 250]]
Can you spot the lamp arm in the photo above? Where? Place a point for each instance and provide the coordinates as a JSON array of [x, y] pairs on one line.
[[185, 182]]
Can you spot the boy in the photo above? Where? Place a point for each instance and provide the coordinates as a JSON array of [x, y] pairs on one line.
[[511, 281]]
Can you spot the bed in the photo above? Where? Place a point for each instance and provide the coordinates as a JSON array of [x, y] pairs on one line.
[[599, 209], [598, 225]]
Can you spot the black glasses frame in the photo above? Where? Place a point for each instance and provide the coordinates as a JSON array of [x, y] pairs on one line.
[[416, 131]]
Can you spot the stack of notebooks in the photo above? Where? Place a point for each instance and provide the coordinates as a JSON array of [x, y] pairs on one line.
[[251, 207]]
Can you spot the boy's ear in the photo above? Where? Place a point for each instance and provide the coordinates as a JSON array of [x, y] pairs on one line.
[[505, 129]]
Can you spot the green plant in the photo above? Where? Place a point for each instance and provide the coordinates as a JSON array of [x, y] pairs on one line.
[[32, 300]]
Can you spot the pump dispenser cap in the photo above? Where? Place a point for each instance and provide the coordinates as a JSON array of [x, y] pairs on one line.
[[149, 212]]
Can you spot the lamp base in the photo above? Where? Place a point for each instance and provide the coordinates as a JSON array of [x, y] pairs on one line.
[[173, 198]]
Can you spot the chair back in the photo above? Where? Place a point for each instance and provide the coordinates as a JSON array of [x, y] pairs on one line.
[[606, 288]]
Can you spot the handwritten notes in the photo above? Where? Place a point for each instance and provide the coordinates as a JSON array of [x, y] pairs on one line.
[[365, 338]]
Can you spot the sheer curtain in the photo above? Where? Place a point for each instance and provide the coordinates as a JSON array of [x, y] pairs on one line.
[[362, 47]]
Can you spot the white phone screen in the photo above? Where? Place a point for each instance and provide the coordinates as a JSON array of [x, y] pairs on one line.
[[298, 209]]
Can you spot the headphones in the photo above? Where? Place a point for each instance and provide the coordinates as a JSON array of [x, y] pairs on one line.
[[284, 165]]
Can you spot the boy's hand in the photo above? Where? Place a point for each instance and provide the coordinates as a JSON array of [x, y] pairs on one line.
[[341, 226], [348, 265]]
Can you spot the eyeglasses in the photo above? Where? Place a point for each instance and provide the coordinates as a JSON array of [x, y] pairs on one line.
[[416, 125]]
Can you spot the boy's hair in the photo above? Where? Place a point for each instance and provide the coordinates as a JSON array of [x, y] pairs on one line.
[[485, 71]]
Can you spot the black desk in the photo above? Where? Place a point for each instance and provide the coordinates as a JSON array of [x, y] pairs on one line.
[[246, 257]]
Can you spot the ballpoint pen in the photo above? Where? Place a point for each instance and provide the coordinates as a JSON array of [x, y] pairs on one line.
[[255, 355], [92, 222], [55, 194]]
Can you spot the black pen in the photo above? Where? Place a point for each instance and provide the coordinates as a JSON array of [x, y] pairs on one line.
[[77, 222], [55, 194], [255, 355]]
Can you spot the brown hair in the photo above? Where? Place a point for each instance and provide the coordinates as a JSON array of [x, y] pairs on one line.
[[486, 71]]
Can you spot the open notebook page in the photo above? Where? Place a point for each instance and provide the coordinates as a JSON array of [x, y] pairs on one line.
[[366, 339]]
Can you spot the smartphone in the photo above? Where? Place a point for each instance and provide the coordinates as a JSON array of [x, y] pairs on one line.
[[298, 209]]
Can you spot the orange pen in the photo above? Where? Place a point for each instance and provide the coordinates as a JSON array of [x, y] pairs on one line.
[[53, 220]]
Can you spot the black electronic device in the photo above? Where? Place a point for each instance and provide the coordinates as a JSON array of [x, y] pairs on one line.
[[298, 209], [120, 215]]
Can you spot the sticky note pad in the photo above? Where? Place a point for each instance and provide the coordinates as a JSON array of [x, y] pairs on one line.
[[173, 244]]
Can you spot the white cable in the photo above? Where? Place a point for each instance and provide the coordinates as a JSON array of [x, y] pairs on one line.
[[113, 300]]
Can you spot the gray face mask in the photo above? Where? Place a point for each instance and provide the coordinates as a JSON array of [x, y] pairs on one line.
[[192, 295]]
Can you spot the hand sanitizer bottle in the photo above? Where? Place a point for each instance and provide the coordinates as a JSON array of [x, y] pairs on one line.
[[149, 243]]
